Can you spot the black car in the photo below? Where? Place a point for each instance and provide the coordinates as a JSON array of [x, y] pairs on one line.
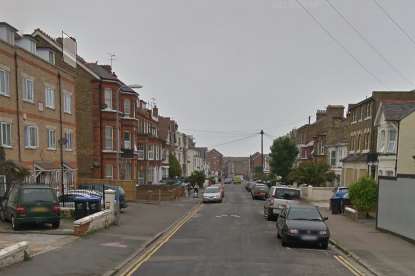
[[302, 224]]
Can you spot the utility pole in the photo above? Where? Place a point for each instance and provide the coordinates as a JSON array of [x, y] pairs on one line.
[[262, 149]]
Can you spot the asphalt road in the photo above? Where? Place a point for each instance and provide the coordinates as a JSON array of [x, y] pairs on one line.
[[233, 238]]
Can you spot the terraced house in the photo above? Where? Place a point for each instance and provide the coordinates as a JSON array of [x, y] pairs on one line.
[[37, 112]]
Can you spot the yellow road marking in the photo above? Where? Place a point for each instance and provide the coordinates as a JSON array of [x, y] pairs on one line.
[[348, 265], [149, 253]]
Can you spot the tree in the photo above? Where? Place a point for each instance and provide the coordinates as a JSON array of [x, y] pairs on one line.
[[197, 178], [363, 194], [315, 174], [13, 172], [174, 166], [283, 154]]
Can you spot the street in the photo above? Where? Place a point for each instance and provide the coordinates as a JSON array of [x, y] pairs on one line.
[[232, 238]]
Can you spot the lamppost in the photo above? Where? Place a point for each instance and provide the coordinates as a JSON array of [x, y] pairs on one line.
[[122, 87]]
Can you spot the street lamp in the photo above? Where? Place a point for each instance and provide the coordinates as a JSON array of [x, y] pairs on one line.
[[131, 86]]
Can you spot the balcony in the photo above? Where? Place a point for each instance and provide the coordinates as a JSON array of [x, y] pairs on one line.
[[127, 153], [140, 154]]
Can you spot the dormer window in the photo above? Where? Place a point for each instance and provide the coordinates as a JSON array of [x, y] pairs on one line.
[[27, 43], [7, 33], [46, 54]]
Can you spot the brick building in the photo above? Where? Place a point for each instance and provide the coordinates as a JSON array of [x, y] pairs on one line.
[[362, 134], [37, 112], [215, 161], [255, 163], [234, 166], [168, 131]]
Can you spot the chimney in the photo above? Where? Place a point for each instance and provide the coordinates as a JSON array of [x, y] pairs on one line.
[[335, 111], [107, 67], [155, 111]]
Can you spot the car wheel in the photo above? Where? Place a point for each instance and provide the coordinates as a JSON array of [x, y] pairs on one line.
[[55, 225], [284, 242], [15, 225], [324, 245], [269, 217]]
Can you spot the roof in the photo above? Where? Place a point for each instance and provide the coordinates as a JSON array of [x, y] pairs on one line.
[[355, 158], [8, 25], [396, 112], [101, 71]]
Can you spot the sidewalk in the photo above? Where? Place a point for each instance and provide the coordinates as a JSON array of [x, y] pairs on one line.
[[384, 253], [102, 251]]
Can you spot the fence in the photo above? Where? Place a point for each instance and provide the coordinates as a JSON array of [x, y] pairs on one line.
[[310, 193], [395, 205], [129, 186], [159, 192]]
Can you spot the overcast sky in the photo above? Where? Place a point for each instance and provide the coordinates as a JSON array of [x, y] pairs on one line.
[[224, 69]]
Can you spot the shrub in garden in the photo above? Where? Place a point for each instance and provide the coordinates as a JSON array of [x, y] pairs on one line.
[[363, 194]]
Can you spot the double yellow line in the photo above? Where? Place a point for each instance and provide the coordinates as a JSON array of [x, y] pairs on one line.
[[348, 265], [154, 248]]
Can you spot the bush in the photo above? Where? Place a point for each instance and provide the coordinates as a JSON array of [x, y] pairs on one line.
[[363, 194]]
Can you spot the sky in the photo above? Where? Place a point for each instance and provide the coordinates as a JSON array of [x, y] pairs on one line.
[[225, 69]]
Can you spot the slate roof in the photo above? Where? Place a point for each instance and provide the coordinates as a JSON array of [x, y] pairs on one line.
[[101, 71], [355, 158], [397, 111]]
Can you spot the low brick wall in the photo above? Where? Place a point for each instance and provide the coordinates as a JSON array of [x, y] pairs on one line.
[[129, 186], [159, 192], [94, 222], [14, 254]]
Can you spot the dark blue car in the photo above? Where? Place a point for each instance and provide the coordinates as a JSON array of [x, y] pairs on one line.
[[119, 192]]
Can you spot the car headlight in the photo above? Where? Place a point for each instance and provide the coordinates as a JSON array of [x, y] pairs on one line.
[[293, 231], [324, 232]]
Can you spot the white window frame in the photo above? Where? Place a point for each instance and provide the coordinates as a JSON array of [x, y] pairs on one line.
[[129, 141], [6, 84], [3, 126], [28, 95], [51, 138], [49, 97], [68, 139], [106, 147], [127, 103], [108, 176], [382, 140], [150, 153], [67, 102], [51, 57], [108, 99], [391, 144], [28, 139]]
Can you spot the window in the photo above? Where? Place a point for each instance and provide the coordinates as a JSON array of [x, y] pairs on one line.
[[50, 97], [108, 98], [127, 140], [108, 138], [67, 103], [3, 186], [392, 140], [51, 57], [108, 172], [31, 137], [51, 138], [150, 155], [28, 94], [382, 138], [68, 139], [127, 107], [127, 171], [6, 134], [4, 82], [333, 158]]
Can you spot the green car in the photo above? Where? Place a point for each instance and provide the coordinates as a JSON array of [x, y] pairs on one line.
[[26, 204]]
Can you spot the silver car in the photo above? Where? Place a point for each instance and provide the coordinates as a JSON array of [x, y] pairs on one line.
[[280, 198], [212, 194]]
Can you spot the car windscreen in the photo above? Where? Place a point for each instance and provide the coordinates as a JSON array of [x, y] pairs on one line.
[[288, 194], [37, 195], [212, 190], [303, 214], [260, 187]]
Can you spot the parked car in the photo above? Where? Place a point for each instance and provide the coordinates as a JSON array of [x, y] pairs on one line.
[[302, 224], [119, 192], [221, 188], [282, 197], [212, 194], [259, 191], [227, 180], [26, 204], [249, 185]]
